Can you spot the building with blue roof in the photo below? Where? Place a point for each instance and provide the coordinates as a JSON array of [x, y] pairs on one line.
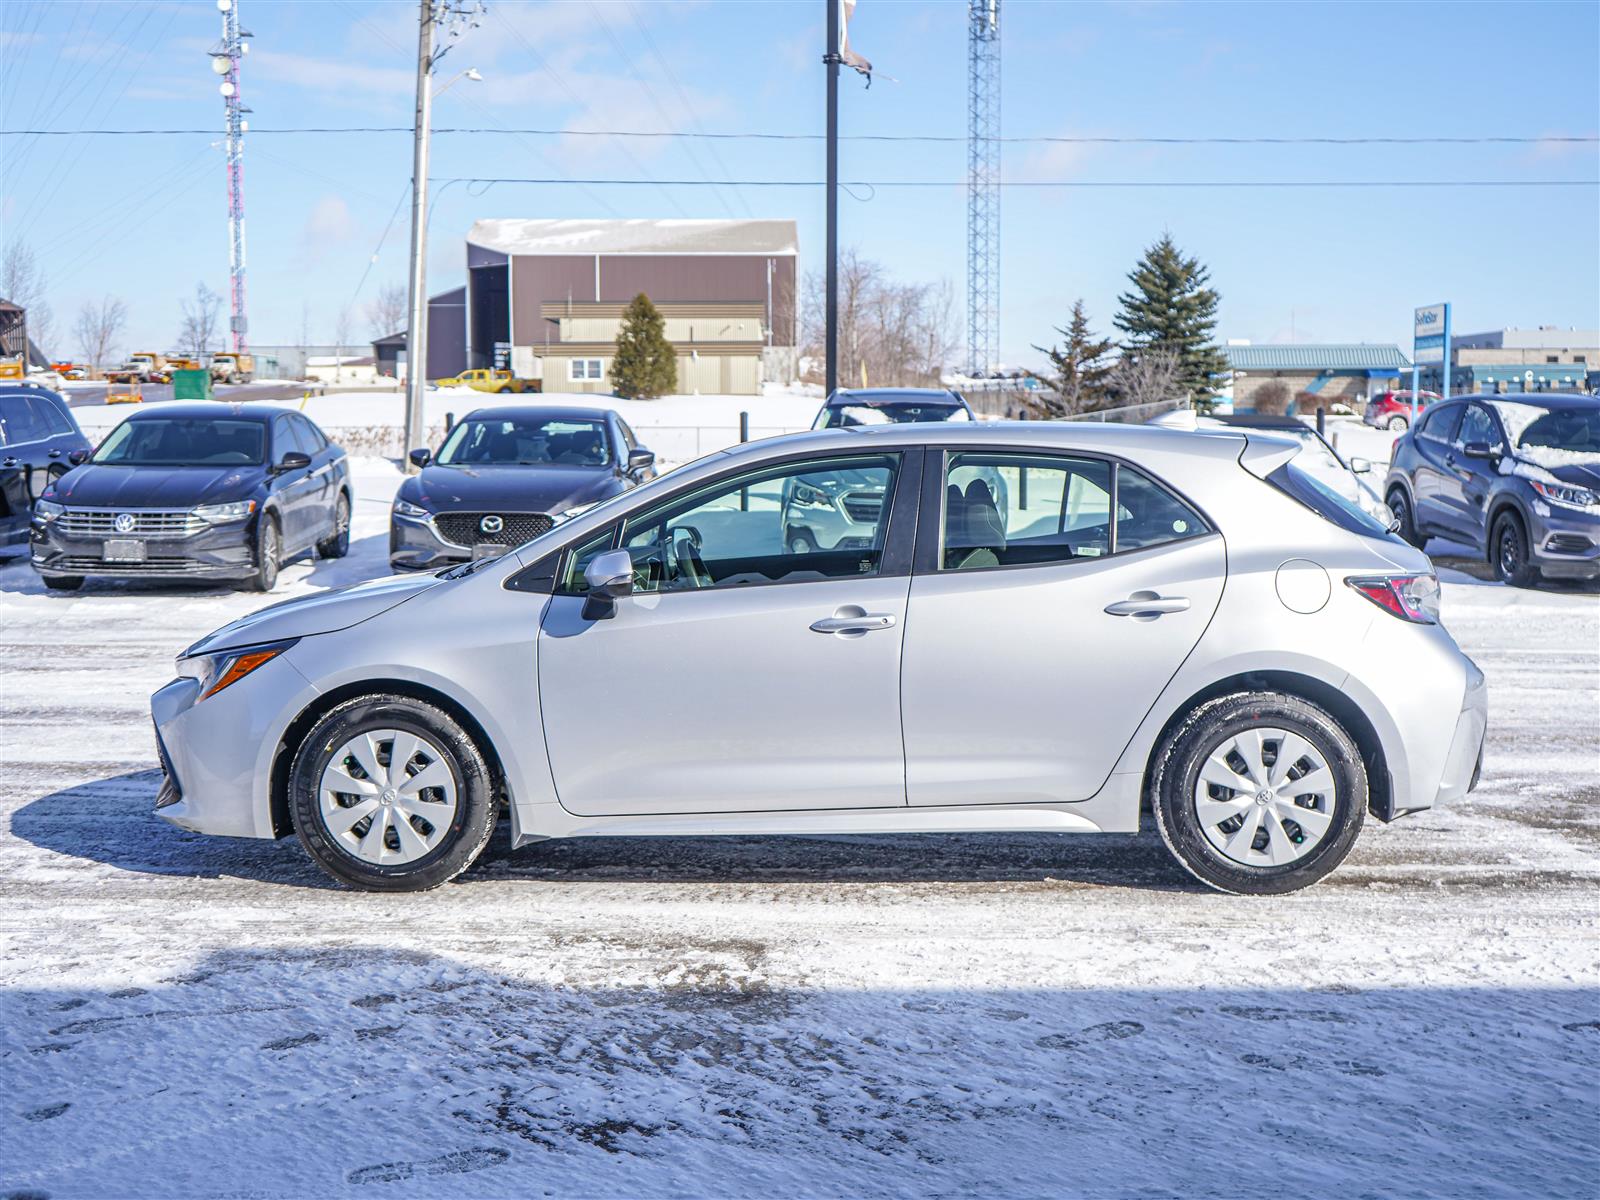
[[1316, 374]]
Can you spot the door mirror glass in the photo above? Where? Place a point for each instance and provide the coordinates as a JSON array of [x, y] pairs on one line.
[[295, 460], [1361, 466], [640, 459], [421, 456]]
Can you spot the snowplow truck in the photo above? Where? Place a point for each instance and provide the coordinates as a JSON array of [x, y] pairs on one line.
[[145, 367], [232, 368]]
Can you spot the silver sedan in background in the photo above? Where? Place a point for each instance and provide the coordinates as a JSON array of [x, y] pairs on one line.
[[1132, 617]]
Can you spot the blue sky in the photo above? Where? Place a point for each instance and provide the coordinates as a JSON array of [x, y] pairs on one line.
[[145, 218]]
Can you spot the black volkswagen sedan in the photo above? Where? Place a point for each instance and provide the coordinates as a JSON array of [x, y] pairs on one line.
[[196, 491], [507, 474], [39, 442]]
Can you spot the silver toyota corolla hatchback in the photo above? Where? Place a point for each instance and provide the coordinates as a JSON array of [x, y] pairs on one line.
[[1044, 627]]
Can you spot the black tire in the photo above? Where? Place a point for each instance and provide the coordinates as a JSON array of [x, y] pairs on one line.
[[801, 542], [338, 545], [1400, 505], [1508, 550], [1177, 773], [269, 556], [62, 583], [475, 813]]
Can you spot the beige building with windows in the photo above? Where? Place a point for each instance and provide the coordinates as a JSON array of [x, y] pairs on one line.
[[719, 346]]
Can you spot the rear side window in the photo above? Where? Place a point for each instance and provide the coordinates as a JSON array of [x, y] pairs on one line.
[[1441, 424], [19, 422], [1325, 502], [53, 420]]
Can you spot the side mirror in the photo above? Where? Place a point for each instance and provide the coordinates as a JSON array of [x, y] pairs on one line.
[[609, 576], [1478, 450], [640, 459], [1361, 466], [421, 456], [78, 457], [294, 460]]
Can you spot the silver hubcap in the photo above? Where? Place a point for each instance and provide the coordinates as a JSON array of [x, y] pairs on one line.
[[1265, 797], [388, 796]]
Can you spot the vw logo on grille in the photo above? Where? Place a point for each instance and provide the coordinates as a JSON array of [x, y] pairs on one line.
[[124, 523], [492, 524]]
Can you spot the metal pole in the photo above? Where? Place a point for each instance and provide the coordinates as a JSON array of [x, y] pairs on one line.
[[1444, 389], [1416, 382], [831, 318], [417, 321]]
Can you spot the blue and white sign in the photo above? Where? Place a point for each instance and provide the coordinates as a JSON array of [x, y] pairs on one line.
[[1431, 326]]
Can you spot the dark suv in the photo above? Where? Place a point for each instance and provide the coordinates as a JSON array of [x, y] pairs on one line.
[[1515, 476], [39, 442]]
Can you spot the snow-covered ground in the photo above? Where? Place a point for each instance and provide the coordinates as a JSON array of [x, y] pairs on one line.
[[999, 1015]]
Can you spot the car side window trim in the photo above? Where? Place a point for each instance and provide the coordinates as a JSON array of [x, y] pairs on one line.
[[930, 533]]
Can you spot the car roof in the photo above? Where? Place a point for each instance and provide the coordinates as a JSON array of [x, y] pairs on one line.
[[559, 412], [27, 387], [892, 396], [1542, 399], [1046, 435], [224, 410]]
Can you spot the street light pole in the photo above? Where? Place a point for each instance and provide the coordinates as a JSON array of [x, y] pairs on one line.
[[416, 427], [831, 319]]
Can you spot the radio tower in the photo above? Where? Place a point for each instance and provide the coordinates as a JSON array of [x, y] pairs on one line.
[[225, 62], [983, 186]]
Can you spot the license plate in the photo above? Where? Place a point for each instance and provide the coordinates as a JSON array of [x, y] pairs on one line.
[[488, 550], [123, 550]]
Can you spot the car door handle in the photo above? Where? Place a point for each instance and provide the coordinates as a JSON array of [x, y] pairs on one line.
[[55, 454], [857, 621], [1148, 604]]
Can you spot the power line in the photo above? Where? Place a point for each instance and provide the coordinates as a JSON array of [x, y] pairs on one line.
[[751, 135], [1048, 183]]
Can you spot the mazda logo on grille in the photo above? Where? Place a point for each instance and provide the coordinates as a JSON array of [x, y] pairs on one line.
[[124, 523], [492, 524]]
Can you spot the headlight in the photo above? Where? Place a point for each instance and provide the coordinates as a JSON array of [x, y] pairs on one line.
[[48, 510], [404, 508], [227, 667], [218, 513], [1565, 495], [805, 494], [1409, 597]]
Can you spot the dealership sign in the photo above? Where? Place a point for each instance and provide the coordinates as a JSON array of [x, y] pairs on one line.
[[1430, 330]]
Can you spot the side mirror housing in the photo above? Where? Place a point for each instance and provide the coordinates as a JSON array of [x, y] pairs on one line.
[[78, 457], [293, 460], [1478, 450], [1361, 466], [609, 576], [640, 459], [421, 456]]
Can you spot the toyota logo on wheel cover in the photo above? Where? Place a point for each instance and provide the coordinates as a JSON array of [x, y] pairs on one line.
[[492, 524], [124, 523]]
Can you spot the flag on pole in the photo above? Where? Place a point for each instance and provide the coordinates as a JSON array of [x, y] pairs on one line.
[[847, 56]]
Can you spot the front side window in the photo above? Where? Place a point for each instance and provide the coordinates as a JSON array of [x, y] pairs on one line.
[[184, 442], [821, 519], [19, 423], [1477, 426], [1006, 510], [579, 369], [572, 582], [526, 441]]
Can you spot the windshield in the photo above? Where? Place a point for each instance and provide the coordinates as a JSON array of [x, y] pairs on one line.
[[526, 441], [1324, 501], [837, 416], [184, 442], [1559, 434]]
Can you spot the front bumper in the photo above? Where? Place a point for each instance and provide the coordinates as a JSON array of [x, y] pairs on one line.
[[415, 545], [1565, 543], [219, 552]]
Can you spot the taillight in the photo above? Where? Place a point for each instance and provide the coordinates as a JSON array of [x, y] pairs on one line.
[[1409, 597]]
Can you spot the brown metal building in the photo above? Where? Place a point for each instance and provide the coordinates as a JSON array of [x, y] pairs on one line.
[[545, 297]]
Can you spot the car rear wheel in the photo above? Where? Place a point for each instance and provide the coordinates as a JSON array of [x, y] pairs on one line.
[[1510, 549], [269, 554], [1259, 793], [63, 583], [1398, 423], [391, 794], [338, 545], [1400, 505]]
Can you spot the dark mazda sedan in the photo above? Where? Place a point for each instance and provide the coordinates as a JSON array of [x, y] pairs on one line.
[[196, 491], [507, 474]]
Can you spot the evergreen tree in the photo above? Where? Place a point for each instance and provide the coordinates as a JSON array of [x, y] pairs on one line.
[[1081, 373], [645, 366], [1171, 309]]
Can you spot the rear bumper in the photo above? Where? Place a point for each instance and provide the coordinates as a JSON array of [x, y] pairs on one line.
[[1463, 764]]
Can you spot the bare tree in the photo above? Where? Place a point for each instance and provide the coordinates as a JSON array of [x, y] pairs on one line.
[[890, 333], [98, 327], [1146, 378], [201, 318], [22, 282], [388, 310]]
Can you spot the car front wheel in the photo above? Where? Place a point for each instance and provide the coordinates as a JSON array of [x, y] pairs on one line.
[[1259, 793], [269, 554], [1510, 543], [390, 794]]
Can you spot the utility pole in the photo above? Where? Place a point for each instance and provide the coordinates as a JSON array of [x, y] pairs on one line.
[[416, 427], [832, 59]]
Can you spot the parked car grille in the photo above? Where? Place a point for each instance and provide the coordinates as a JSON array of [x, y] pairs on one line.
[[863, 506], [85, 565], [147, 522], [466, 528], [1568, 543]]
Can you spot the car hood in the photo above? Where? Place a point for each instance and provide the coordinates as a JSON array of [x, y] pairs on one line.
[[95, 485], [1578, 474], [324, 612], [509, 488]]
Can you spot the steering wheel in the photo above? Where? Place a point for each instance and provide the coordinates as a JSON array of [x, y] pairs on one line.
[[691, 567]]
